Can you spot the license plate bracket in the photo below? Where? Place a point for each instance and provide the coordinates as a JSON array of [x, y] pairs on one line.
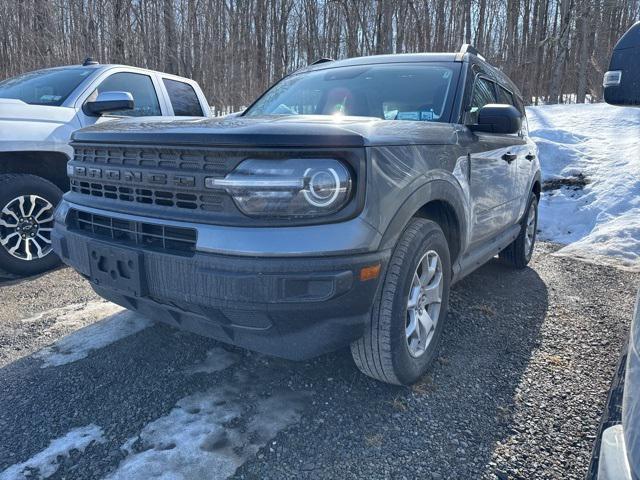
[[117, 268]]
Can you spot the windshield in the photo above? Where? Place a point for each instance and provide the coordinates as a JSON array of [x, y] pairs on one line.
[[45, 87], [391, 92]]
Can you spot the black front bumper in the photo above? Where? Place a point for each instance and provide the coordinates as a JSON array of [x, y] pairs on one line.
[[294, 308]]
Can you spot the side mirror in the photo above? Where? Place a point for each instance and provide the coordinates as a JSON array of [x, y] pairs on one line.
[[498, 118], [109, 102], [622, 81]]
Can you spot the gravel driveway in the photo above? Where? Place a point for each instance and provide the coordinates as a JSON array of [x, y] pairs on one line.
[[517, 391]]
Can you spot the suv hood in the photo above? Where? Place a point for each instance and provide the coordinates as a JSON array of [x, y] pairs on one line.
[[272, 131]]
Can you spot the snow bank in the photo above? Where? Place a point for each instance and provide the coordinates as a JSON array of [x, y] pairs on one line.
[[599, 222], [47, 461], [77, 345]]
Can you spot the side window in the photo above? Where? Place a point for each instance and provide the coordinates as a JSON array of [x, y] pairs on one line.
[[183, 99], [519, 104], [505, 96], [483, 94], [145, 100]]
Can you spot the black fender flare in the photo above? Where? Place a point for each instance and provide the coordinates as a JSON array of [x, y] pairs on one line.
[[536, 178], [442, 190]]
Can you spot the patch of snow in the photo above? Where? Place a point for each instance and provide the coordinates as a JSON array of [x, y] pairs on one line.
[[600, 222], [47, 462], [209, 434], [78, 344], [217, 359], [76, 314]]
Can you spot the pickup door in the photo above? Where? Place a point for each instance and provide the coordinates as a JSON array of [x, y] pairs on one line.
[[153, 95]]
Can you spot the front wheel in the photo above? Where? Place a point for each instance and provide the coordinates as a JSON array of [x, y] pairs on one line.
[[27, 203], [403, 335], [519, 252]]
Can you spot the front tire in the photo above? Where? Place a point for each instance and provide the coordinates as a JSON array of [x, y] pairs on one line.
[[518, 254], [402, 338], [27, 203]]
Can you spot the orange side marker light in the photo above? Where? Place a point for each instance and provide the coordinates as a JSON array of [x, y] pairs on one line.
[[370, 273]]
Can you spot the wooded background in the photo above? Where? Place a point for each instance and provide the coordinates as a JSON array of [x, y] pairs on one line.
[[555, 50]]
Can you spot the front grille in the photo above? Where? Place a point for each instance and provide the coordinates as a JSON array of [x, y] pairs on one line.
[[177, 240], [150, 196], [162, 177], [213, 161]]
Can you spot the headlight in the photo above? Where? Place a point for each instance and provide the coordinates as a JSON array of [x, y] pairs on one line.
[[287, 188]]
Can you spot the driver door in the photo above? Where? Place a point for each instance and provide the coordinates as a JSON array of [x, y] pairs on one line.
[[493, 169]]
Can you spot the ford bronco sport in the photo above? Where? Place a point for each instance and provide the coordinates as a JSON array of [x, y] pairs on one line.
[[337, 209]]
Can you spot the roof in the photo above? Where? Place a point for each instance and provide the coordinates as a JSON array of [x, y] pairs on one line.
[[99, 66], [413, 58], [378, 59]]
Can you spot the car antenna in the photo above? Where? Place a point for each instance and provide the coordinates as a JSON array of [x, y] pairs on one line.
[[89, 61]]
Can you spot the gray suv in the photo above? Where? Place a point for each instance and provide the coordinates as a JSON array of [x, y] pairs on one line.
[[336, 210]]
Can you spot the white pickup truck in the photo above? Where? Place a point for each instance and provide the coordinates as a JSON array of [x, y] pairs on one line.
[[38, 113]]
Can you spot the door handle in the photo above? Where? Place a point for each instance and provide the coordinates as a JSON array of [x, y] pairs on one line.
[[530, 156], [509, 157]]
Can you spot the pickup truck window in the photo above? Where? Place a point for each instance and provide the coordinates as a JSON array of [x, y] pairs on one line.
[[145, 100], [390, 92], [45, 87], [183, 98]]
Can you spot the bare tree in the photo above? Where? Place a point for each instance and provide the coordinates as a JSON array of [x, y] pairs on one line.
[[555, 50]]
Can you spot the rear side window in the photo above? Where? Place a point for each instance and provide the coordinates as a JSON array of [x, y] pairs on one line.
[[183, 99], [145, 100], [483, 93]]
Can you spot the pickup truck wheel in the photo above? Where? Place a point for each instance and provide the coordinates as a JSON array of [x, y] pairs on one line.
[[402, 338], [27, 203], [519, 252]]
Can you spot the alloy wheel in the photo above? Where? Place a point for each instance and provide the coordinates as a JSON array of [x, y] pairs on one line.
[[530, 233], [423, 304], [26, 223]]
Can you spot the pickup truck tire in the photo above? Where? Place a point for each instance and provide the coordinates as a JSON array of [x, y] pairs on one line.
[[27, 204], [387, 351], [519, 252]]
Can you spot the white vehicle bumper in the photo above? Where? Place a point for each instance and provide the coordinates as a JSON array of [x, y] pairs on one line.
[[613, 456]]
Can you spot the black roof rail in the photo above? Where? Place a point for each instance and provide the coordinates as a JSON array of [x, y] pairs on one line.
[[321, 60], [467, 48], [89, 61]]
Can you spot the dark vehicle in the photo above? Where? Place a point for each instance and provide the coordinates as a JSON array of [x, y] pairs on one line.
[[337, 209], [616, 452], [622, 81]]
